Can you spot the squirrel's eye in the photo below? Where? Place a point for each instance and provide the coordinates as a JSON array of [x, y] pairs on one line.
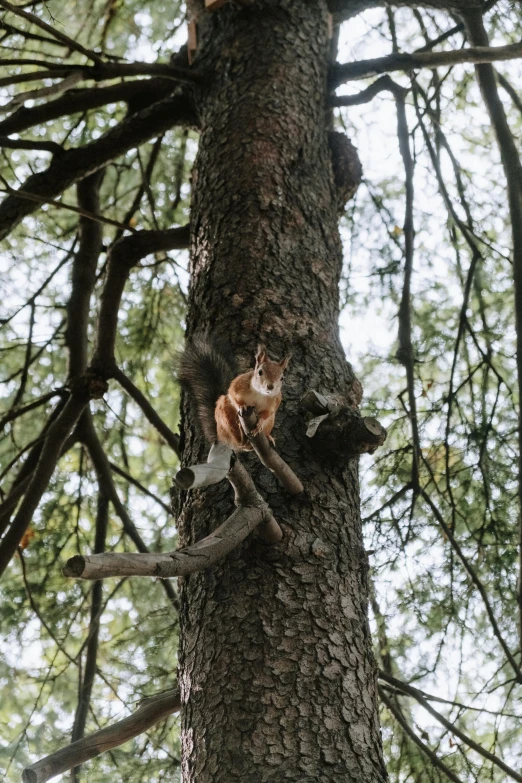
[[260, 372]]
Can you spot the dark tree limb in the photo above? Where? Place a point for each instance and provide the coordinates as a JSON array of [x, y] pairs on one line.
[[251, 511], [172, 438], [338, 429], [102, 467], [406, 353], [125, 254], [131, 480], [434, 759], [83, 277], [89, 669], [50, 453], [83, 280], [346, 9], [57, 34], [22, 480], [96, 217], [71, 80], [84, 99], [513, 173], [21, 144], [53, 32], [15, 412], [152, 710], [418, 695], [75, 164], [492, 615], [513, 94], [362, 69], [365, 96]]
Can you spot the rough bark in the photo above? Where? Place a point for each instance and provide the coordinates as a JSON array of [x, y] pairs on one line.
[[276, 672]]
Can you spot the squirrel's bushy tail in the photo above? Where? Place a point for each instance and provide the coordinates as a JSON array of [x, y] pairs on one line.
[[205, 372]]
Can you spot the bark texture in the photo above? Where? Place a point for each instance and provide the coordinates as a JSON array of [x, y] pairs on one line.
[[276, 671]]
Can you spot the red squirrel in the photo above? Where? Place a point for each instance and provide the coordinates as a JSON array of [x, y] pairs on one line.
[[208, 374]]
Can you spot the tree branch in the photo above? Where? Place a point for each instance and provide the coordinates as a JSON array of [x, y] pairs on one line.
[[417, 740], [69, 42], [267, 454], [83, 276], [513, 173], [125, 254], [89, 670], [338, 429], [365, 96], [75, 164], [451, 727], [251, 511], [406, 353], [362, 69], [151, 711], [104, 475], [55, 438], [82, 100], [172, 438]]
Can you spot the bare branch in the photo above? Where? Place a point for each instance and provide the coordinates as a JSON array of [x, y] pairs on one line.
[[88, 671], [23, 194], [362, 69], [251, 512], [267, 454], [14, 413], [131, 480], [42, 92], [406, 353], [27, 144], [151, 711], [339, 429], [214, 470], [83, 274]]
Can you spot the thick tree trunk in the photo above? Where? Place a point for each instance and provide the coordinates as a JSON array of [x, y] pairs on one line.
[[276, 670]]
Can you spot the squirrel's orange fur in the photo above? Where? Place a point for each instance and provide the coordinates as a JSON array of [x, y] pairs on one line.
[[259, 388]]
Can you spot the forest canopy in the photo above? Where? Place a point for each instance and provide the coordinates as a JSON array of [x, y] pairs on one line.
[[428, 321]]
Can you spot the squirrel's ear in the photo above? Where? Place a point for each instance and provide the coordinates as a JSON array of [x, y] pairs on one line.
[[261, 355], [284, 362]]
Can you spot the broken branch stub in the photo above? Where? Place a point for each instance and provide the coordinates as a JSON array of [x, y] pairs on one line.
[[339, 429], [214, 470]]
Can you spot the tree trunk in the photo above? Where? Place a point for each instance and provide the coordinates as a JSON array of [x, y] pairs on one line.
[[276, 669]]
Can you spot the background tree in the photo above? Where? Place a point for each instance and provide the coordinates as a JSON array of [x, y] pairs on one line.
[[276, 669]]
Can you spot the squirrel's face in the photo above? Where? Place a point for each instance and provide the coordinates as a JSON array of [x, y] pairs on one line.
[[268, 375]]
